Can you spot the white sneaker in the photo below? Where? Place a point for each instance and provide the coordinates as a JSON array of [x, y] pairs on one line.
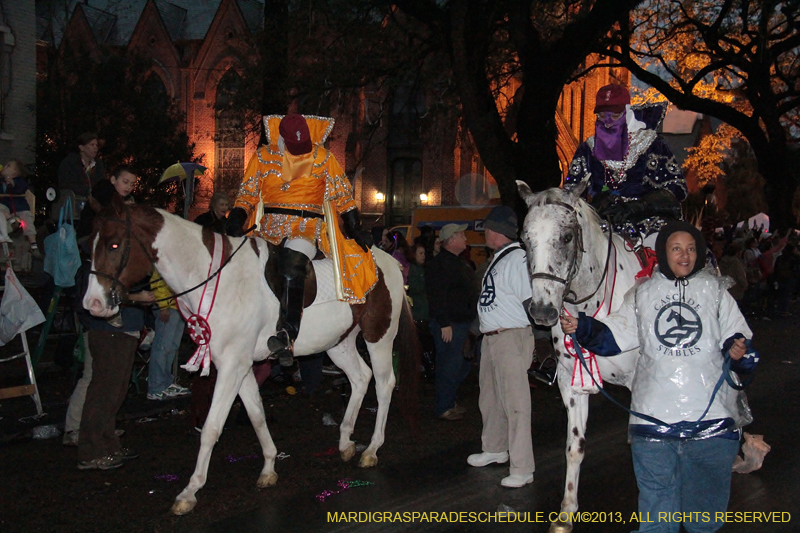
[[515, 481], [486, 458], [176, 391]]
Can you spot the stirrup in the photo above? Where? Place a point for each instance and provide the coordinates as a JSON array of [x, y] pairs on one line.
[[285, 358], [546, 373], [280, 344]]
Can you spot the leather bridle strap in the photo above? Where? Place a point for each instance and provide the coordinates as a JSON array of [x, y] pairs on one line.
[[575, 266], [114, 295], [602, 278]]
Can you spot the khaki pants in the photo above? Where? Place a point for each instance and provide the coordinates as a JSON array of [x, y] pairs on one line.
[[76, 401], [28, 228], [505, 399]]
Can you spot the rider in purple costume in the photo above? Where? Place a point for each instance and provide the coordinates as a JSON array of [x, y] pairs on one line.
[[633, 178]]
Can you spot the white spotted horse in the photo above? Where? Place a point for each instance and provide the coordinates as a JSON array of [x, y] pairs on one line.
[[575, 266], [129, 241]]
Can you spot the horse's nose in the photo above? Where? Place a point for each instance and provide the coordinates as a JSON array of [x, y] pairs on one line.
[[543, 314], [95, 306]]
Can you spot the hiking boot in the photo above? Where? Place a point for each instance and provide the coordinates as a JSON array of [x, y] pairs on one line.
[[109, 462], [159, 396], [126, 454]]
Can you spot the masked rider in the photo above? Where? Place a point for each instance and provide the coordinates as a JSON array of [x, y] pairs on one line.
[[293, 175], [632, 176]]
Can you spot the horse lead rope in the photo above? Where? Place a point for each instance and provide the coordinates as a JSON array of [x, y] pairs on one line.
[[115, 279], [577, 348], [199, 329], [725, 376]]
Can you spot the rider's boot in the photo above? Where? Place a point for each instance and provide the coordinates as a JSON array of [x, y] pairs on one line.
[[294, 266]]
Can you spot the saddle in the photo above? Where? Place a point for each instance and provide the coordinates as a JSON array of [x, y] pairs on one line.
[[319, 286]]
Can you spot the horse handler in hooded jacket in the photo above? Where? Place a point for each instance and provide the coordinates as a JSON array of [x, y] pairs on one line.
[[506, 353], [686, 325]]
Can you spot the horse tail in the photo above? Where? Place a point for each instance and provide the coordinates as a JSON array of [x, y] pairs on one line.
[[407, 347]]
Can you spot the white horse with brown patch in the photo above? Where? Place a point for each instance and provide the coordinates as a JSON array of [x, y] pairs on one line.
[[575, 267], [129, 241]]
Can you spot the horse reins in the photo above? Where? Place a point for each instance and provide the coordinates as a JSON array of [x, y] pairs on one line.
[[114, 294], [575, 267]]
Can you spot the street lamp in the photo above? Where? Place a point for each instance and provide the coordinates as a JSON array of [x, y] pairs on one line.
[[423, 198], [379, 197]]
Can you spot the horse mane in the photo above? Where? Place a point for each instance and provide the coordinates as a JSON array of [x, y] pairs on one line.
[[143, 217], [557, 194]]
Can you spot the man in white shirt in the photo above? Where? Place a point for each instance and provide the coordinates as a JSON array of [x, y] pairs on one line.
[[506, 353]]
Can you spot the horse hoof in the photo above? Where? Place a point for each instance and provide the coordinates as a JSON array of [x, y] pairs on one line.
[[267, 480], [181, 507], [349, 452], [368, 461], [560, 527]]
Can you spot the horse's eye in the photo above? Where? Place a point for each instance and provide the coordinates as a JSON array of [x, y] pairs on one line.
[[114, 246], [567, 238]]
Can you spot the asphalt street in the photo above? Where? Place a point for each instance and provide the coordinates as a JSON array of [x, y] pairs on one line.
[[764, 500]]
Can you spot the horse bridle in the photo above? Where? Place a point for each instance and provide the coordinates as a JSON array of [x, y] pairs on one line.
[[576, 262], [115, 297]]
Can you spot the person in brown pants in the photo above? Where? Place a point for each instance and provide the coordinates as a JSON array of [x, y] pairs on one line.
[[506, 354], [113, 349], [112, 353]]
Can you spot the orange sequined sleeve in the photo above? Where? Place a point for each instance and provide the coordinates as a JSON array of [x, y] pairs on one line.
[[337, 187], [250, 190]]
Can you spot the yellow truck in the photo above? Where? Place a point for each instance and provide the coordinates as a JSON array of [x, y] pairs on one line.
[[439, 216]]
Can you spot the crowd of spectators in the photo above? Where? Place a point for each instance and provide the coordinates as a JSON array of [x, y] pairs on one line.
[[764, 266], [442, 287]]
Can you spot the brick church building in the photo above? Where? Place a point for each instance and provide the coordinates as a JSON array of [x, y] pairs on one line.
[[194, 47]]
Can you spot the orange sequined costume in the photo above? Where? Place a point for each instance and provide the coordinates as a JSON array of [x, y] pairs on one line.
[[292, 190]]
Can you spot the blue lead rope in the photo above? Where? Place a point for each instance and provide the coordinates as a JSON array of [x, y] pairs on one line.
[[725, 376]]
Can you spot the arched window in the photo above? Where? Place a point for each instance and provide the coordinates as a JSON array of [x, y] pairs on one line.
[[156, 92], [230, 134]]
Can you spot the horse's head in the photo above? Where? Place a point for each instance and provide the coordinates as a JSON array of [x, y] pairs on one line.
[[122, 254], [553, 236]]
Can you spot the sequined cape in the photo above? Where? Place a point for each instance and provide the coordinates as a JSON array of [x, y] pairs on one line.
[[326, 182], [649, 165]]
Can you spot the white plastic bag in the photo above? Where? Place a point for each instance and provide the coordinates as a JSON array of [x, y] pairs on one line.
[[754, 450], [18, 310]]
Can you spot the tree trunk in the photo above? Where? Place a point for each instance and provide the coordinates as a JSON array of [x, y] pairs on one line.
[[276, 59], [780, 187]]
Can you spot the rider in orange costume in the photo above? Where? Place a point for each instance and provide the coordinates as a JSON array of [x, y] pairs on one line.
[[292, 176]]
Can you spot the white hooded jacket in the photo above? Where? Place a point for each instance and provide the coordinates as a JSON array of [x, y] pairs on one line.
[[680, 327]]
